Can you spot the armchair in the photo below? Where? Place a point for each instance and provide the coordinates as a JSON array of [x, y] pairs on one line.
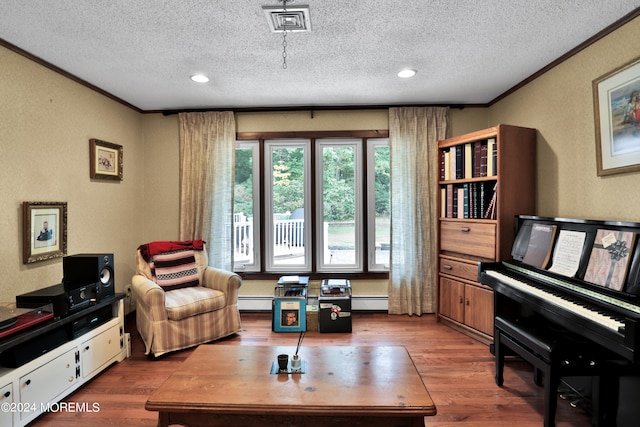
[[175, 319]]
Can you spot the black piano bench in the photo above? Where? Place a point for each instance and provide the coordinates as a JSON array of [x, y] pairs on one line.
[[555, 354]]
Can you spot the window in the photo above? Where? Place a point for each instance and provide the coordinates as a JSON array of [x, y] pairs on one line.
[[339, 221], [379, 203], [287, 194], [324, 205], [246, 207]]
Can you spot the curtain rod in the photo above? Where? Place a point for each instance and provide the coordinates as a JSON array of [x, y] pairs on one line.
[[311, 109]]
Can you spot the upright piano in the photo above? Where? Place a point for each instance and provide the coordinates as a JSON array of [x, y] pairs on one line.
[[580, 277], [585, 278]]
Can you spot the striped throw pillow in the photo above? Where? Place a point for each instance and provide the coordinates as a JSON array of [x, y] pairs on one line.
[[175, 270]]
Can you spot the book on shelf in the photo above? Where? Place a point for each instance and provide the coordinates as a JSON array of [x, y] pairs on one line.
[[460, 208], [444, 164], [491, 157], [468, 160], [482, 201], [483, 159], [459, 162], [490, 211], [540, 245], [452, 162], [477, 158], [610, 257], [475, 200]]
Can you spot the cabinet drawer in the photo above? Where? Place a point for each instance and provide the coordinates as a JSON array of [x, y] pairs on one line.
[[470, 238], [460, 269]]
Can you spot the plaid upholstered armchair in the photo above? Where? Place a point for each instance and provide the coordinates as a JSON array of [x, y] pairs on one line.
[[180, 300]]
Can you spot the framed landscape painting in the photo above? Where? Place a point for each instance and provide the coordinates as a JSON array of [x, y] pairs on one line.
[[44, 230], [617, 114]]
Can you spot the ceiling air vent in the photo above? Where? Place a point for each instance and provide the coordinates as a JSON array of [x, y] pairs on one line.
[[295, 18]]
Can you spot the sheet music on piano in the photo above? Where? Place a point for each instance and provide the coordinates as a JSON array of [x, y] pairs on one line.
[[567, 253]]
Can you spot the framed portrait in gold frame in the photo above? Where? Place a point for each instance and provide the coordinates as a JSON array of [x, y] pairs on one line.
[[44, 231], [106, 160]]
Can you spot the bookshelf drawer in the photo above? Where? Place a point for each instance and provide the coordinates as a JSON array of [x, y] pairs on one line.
[[465, 270], [470, 238]]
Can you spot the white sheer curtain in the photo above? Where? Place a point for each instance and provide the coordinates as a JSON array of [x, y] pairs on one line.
[[413, 133], [207, 158]]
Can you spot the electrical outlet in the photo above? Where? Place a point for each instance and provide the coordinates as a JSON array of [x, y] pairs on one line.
[[129, 301]]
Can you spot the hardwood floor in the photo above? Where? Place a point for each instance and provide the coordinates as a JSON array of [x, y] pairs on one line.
[[458, 372]]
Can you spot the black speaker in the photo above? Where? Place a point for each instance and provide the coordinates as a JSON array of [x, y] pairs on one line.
[[88, 269]]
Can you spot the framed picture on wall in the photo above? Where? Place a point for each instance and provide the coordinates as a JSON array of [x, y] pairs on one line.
[[106, 160], [44, 230], [617, 115]]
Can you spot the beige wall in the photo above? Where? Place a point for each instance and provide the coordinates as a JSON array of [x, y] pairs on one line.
[[45, 126], [560, 105], [161, 180], [47, 121]]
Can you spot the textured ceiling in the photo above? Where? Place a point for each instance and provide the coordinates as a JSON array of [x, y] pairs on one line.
[[143, 51]]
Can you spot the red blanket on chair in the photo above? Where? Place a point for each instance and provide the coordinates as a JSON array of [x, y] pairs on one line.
[[148, 250]]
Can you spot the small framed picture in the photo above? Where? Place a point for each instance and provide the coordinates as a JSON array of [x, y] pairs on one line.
[[617, 115], [44, 230], [106, 160], [289, 315]]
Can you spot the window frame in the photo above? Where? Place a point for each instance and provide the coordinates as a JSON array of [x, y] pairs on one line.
[[323, 265], [372, 144], [255, 266], [269, 265], [261, 137]]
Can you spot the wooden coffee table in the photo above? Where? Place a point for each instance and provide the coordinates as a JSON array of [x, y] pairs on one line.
[[230, 385]]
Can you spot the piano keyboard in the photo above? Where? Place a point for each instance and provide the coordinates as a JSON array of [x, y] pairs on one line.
[[580, 310]]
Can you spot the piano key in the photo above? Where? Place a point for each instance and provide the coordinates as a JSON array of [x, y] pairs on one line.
[[579, 309]]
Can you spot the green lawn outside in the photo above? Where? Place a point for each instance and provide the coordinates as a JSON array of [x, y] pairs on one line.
[[342, 235]]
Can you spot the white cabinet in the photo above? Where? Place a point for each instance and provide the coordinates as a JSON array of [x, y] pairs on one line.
[[6, 401], [37, 385]]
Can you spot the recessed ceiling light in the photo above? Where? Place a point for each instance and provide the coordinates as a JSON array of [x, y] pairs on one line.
[[200, 78], [405, 74]]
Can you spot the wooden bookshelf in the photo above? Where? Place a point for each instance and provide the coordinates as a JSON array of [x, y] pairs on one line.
[[487, 177]]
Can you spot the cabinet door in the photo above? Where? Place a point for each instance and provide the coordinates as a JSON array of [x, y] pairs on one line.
[[452, 299], [6, 397], [478, 309], [45, 383], [100, 349]]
